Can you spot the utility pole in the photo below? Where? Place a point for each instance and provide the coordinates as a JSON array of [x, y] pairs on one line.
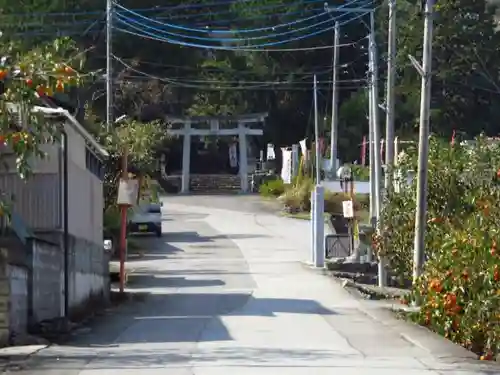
[[123, 226], [423, 142], [373, 219], [318, 195], [335, 111], [109, 65], [316, 132], [390, 98], [376, 140]]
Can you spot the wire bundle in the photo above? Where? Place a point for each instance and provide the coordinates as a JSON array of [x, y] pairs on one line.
[[234, 39]]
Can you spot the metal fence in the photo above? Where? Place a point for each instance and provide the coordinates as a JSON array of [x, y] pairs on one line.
[[338, 246], [36, 200]]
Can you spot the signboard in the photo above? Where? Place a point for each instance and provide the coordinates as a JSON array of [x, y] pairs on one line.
[[128, 192], [348, 209]]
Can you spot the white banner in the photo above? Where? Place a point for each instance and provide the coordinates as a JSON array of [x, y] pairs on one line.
[[233, 156], [270, 152], [303, 147], [286, 170]]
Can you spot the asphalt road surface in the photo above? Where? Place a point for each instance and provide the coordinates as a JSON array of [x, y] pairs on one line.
[[224, 292]]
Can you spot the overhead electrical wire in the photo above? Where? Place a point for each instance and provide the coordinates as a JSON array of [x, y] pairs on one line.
[[267, 86], [173, 17], [166, 9], [256, 47], [323, 69], [301, 81], [125, 20], [242, 31], [141, 26], [44, 30], [208, 30]]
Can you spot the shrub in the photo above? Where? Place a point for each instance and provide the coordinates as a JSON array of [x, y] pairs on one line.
[[459, 289], [360, 172], [112, 221], [272, 188], [297, 197], [333, 202]]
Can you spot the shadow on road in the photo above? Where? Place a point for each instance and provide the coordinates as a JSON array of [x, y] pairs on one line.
[[172, 358], [150, 249], [194, 237], [156, 281]]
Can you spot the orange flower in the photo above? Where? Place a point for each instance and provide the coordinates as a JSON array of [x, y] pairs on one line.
[[40, 90], [435, 220], [427, 319], [436, 286], [496, 273], [488, 356], [60, 86], [450, 301], [16, 137], [465, 275]]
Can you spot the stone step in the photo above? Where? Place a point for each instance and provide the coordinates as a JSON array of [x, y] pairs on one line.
[[214, 183]]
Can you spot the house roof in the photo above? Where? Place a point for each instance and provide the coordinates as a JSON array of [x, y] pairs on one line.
[[76, 125], [72, 121]]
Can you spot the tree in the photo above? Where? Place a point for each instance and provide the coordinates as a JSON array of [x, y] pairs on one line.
[[27, 78], [141, 142], [465, 54]]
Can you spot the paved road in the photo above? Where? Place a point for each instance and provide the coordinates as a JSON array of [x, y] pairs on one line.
[[224, 292]]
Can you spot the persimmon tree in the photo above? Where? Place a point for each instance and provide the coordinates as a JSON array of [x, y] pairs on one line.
[[26, 78]]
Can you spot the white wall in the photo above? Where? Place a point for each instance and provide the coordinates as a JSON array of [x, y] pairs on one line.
[[85, 194], [360, 187]]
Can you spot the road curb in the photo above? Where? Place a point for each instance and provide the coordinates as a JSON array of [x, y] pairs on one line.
[[383, 312], [14, 357]]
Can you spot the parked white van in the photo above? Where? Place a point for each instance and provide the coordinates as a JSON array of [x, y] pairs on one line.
[[146, 218]]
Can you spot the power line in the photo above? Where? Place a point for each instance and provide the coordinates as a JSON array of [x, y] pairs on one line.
[[169, 17], [323, 69], [125, 20], [164, 9], [237, 31], [192, 83], [153, 36]]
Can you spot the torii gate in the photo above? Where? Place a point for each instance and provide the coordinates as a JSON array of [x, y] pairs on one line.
[[241, 131]]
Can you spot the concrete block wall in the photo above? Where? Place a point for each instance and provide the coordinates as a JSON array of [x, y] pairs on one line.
[[18, 306], [89, 271], [88, 276], [4, 298], [48, 280]]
